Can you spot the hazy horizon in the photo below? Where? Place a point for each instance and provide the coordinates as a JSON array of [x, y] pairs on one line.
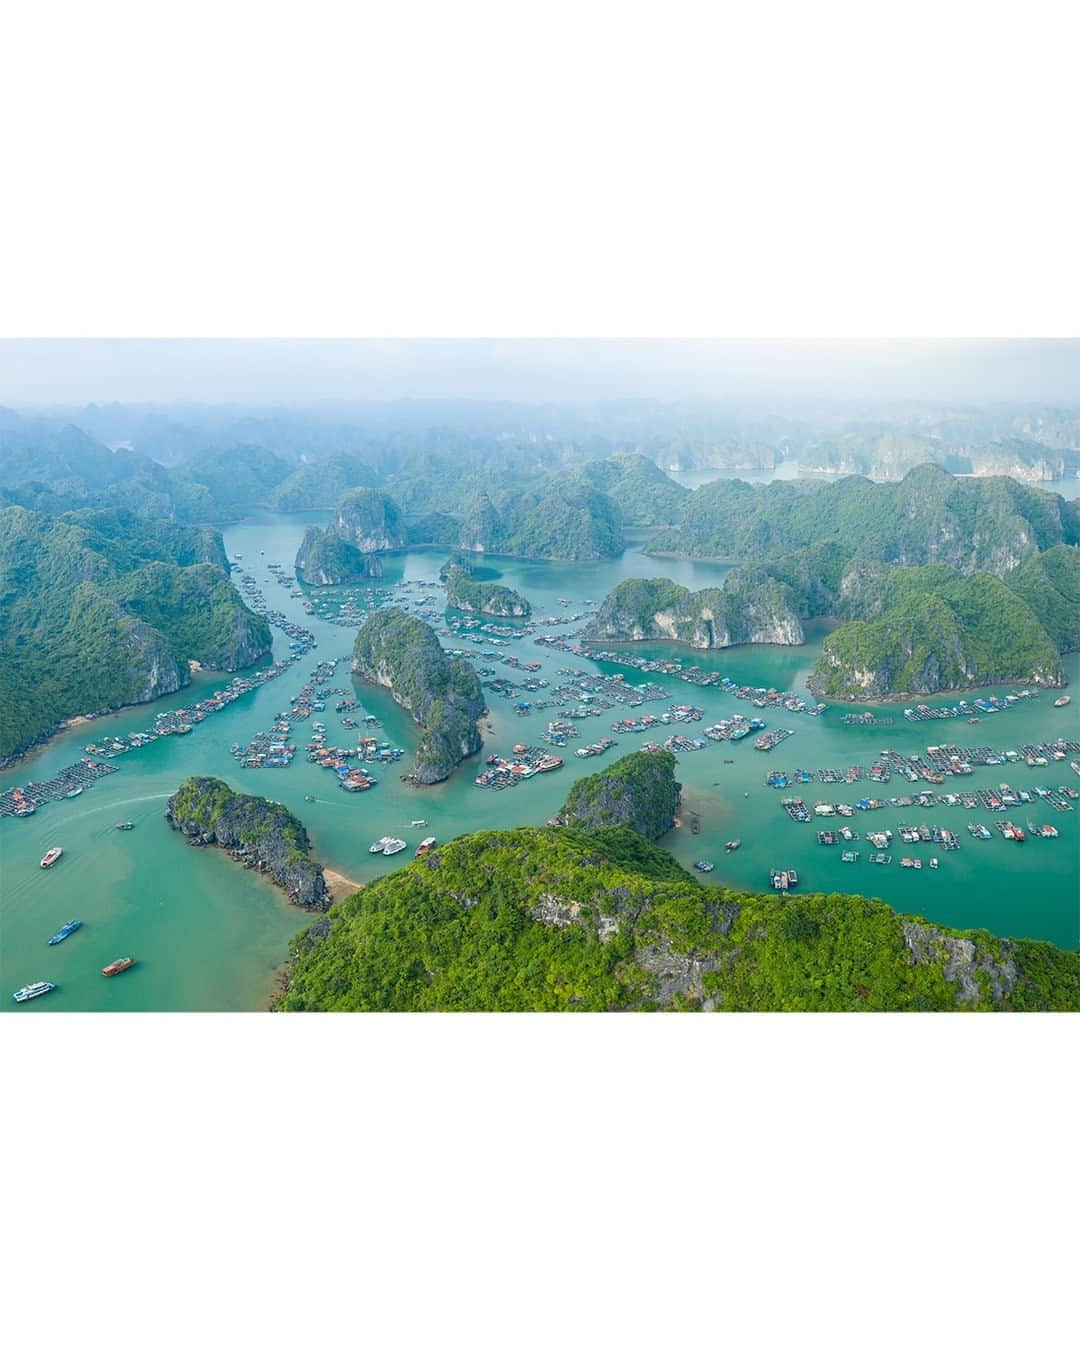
[[65, 372]]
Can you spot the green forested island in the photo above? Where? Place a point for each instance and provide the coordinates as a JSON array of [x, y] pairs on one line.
[[102, 608], [366, 523], [639, 791], [257, 832], [603, 920], [483, 597], [904, 630], [442, 693]]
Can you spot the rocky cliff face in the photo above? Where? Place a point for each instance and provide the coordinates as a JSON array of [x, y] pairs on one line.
[[637, 610], [257, 832], [442, 693], [370, 521], [324, 559], [155, 670]]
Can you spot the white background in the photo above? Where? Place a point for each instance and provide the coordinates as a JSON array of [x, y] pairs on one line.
[[466, 169]]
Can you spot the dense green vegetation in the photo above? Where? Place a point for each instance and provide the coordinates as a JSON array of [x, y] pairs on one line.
[[571, 920], [324, 559], [262, 833], [322, 482], [483, 597], [644, 493], [103, 608], [987, 524], [638, 790], [890, 454], [934, 630], [1050, 585], [441, 692]]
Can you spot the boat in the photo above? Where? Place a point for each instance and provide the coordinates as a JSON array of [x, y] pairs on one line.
[[1063, 701], [118, 966], [51, 858], [393, 845], [418, 824], [75, 791], [380, 844], [29, 991], [309, 798], [425, 846], [72, 925], [732, 844], [125, 825], [703, 866]]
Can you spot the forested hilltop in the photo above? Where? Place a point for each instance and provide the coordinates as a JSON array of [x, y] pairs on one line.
[[483, 597], [102, 608], [401, 653], [603, 920], [988, 524]]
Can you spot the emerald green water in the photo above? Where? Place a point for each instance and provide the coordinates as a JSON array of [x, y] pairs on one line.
[[209, 935]]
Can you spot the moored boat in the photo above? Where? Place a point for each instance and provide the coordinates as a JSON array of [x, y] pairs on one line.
[[425, 846], [1063, 701], [30, 991], [393, 845], [51, 858], [703, 866], [72, 925], [118, 966]]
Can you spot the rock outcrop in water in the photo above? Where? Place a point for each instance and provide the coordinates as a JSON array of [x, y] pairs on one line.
[[442, 693], [257, 832], [483, 597], [366, 522], [761, 610], [638, 790]]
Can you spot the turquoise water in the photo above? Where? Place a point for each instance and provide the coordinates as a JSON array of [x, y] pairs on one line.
[[209, 935]]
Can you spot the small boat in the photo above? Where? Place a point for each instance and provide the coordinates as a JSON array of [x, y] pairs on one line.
[[72, 925], [118, 966], [29, 991], [75, 791], [425, 846], [51, 858], [418, 824], [125, 825], [393, 846], [309, 798], [703, 866], [933, 864], [1063, 701], [732, 844], [379, 845]]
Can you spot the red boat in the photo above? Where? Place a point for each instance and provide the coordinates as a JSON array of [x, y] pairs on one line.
[[118, 966]]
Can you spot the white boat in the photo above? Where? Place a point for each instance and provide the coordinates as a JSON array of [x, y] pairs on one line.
[[29, 991], [393, 845], [379, 846], [51, 858]]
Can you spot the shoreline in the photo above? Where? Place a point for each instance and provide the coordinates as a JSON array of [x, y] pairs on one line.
[[339, 885], [882, 699]]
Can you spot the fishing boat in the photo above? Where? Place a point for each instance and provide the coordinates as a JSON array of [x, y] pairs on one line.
[[75, 791], [732, 844], [425, 846], [72, 925], [118, 966], [393, 845], [29, 991], [703, 866], [1063, 701], [51, 858], [125, 825]]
